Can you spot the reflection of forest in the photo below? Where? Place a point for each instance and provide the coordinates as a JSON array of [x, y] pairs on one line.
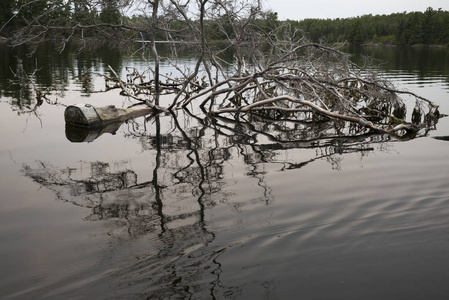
[[170, 202]]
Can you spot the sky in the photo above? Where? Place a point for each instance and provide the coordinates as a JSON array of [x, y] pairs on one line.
[[332, 9]]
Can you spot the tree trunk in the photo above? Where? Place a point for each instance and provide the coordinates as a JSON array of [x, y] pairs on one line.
[[86, 115]]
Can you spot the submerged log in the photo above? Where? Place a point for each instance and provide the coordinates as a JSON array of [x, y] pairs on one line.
[[86, 115], [82, 134]]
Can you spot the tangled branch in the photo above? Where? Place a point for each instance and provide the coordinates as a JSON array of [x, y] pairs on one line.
[[275, 74], [312, 83]]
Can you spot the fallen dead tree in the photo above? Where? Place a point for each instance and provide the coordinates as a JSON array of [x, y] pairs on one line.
[[86, 115], [275, 74], [311, 83]]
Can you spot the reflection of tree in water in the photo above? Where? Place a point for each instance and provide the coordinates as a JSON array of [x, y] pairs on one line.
[[188, 178]]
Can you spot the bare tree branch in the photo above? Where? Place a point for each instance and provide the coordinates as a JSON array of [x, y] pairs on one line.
[[275, 72]]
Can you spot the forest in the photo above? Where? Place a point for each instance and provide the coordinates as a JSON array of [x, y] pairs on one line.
[[406, 28], [413, 28]]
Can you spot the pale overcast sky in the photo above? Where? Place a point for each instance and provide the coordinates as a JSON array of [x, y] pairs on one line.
[[332, 9]]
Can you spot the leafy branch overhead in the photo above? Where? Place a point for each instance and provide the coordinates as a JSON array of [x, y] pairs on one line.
[[276, 75]]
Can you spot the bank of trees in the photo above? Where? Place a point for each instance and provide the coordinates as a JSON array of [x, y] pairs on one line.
[[429, 28], [17, 14]]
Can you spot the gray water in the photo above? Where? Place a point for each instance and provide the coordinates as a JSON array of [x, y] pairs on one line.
[[173, 208]]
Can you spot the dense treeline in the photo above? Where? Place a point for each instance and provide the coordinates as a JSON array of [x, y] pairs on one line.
[[62, 19], [430, 27], [59, 13]]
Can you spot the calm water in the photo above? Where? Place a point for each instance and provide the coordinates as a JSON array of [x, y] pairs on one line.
[[175, 208]]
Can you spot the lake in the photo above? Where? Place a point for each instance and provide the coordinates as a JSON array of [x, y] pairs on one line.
[[175, 208]]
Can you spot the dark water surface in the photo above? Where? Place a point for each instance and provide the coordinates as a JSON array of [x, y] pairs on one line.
[[172, 209]]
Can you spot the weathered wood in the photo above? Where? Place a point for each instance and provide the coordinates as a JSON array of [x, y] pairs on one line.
[[90, 116], [83, 134]]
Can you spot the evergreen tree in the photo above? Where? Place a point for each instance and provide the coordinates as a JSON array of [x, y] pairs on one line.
[[356, 33], [110, 12], [429, 27], [81, 12], [28, 11]]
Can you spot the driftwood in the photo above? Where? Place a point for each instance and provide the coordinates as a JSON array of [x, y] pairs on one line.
[[85, 123], [86, 115], [81, 134]]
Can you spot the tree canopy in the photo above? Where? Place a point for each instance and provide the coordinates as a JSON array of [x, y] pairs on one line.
[[406, 28], [429, 27]]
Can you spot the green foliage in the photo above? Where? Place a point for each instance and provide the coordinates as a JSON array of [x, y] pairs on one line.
[[110, 12], [429, 28], [47, 10], [56, 13], [81, 12]]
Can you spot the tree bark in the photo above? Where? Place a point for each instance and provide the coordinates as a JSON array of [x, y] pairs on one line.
[[86, 115]]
